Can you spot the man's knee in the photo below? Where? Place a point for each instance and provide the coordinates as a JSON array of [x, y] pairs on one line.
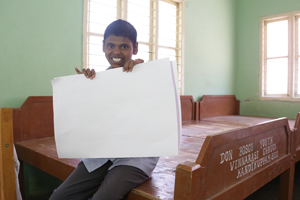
[[119, 181]]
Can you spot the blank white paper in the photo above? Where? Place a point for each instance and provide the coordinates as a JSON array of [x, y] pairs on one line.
[[118, 114]]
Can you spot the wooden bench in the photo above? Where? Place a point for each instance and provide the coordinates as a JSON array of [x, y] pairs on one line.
[[194, 174]]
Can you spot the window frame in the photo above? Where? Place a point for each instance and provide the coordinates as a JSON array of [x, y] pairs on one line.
[[292, 56], [297, 53], [292, 52], [153, 42]]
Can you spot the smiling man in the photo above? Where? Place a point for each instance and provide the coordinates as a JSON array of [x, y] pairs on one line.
[[109, 178]]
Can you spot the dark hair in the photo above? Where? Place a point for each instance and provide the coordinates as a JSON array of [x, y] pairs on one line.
[[121, 28]]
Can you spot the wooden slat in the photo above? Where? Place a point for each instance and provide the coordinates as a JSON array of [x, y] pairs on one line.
[[7, 172]]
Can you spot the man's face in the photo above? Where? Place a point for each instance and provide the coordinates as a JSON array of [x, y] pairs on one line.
[[118, 50]]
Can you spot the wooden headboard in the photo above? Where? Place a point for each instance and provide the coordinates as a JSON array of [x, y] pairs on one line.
[[34, 119], [218, 105]]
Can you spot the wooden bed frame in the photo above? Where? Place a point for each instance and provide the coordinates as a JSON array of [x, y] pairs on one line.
[[296, 139], [210, 112], [7, 167], [211, 164], [238, 162]]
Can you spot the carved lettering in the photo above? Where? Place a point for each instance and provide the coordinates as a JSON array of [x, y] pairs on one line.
[[249, 160], [266, 142], [245, 149], [244, 160], [255, 164], [227, 156], [269, 149]]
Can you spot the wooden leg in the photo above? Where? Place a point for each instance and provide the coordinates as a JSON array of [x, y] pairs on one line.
[[287, 184]]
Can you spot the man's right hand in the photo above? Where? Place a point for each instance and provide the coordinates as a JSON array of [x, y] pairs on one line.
[[87, 72]]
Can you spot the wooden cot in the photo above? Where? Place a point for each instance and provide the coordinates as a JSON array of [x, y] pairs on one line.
[[224, 109], [217, 160], [218, 172]]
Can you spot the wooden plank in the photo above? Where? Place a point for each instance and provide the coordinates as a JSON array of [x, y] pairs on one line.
[[7, 169]]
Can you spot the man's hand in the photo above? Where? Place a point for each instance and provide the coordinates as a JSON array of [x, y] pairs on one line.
[[87, 72], [128, 66]]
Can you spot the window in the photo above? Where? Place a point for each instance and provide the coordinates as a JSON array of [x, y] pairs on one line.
[[159, 24], [279, 63]]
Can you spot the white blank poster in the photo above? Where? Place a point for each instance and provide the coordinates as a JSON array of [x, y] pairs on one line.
[[118, 114]]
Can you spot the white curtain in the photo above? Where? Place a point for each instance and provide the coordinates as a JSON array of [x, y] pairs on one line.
[[17, 169]]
